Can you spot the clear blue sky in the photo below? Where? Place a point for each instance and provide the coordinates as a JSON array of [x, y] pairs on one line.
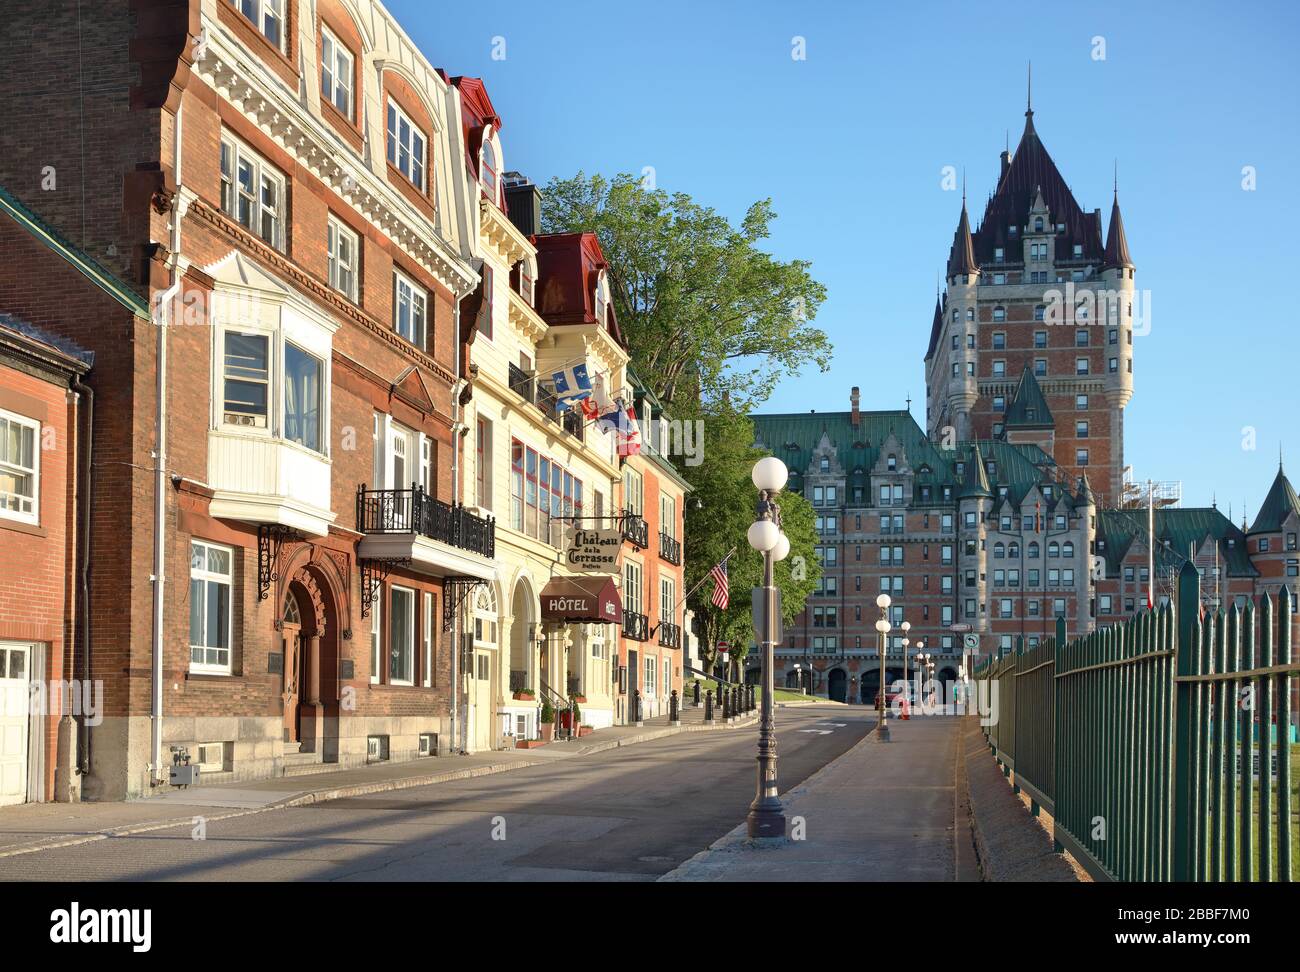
[[850, 144]]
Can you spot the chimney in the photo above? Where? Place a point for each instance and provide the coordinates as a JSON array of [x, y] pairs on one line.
[[523, 203], [853, 400]]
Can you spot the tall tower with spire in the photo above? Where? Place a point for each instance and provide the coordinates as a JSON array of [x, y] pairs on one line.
[[1035, 292]]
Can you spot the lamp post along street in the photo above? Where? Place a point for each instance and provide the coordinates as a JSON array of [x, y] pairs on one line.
[[766, 817], [882, 626]]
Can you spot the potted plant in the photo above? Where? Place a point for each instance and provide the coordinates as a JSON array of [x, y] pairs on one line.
[[548, 720], [585, 730], [526, 694]]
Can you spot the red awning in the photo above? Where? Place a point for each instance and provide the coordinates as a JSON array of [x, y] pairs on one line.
[[580, 599]]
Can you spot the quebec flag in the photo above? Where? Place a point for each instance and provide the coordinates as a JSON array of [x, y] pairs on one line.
[[572, 385]]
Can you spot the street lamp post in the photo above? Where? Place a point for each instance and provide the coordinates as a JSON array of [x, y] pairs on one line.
[[920, 645], [882, 626], [906, 626], [766, 817]]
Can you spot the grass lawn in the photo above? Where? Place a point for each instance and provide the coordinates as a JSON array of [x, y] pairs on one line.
[[1280, 804], [709, 684]]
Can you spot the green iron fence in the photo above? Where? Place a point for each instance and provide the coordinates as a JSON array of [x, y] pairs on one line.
[[1160, 746]]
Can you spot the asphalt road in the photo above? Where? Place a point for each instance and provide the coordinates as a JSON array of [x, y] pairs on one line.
[[630, 814]]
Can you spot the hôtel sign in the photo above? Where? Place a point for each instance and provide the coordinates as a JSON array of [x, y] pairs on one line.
[[593, 551]]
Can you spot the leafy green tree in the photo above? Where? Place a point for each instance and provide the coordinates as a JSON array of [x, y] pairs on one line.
[[708, 316], [727, 498]]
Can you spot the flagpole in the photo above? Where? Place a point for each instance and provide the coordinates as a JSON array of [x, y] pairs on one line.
[[700, 583], [1151, 547]]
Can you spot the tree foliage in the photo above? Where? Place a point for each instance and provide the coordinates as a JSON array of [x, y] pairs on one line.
[[708, 316]]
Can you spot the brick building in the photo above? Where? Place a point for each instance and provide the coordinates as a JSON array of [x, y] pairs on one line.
[[1032, 290], [42, 401], [283, 184], [989, 540]]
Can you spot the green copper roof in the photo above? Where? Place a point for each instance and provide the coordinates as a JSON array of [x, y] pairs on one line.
[[975, 484], [1028, 409], [96, 273], [1185, 529], [1280, 503]]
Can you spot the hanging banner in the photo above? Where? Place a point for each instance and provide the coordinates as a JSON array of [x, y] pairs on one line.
[[593, 551]]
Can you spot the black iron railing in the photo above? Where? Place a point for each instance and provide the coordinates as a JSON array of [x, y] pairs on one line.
[[574, 686], [522, 382], [670, 635], [518, 680], [636, 531], [670, 549], [636, 626], [415, 511]]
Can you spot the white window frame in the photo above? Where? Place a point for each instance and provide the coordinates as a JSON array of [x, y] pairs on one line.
[[633, 586], [392, 593], [376, 635], [426, 636], [262, 12], [277, 341], [332, 73], [416, 298], [33, 515], [395, 147], [490, 161], [651, 673], [207, 576], [235, 152], [336, 232]]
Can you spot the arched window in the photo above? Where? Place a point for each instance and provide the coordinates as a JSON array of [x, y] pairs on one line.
[[485, 617], [999, 313], [527, 280], [1067, 549], [824, 464], [1038, 224], [999, 551], [1053, 549], [892, 461], [1033, 550], [489, 168], [1013, 551]]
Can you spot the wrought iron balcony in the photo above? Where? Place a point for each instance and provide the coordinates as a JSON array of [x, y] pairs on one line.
[[574, 686], [635, 626], [415, 511], [670, 635], [522, 382], [518, 680], [636, 531], [670, 549]]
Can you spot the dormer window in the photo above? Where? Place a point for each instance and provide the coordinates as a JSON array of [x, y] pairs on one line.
[[1078, 250], [336, 73], [407, 146], [1011, 230], [824, 464], [998, 254], [892, 462], [1038, 224], [527, 282], [488, 168]]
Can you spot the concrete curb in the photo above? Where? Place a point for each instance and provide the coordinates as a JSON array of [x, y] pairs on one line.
[[324, 794]]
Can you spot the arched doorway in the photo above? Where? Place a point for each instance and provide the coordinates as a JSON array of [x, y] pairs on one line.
[[523, 648], [481, 695], [309, 686], [837, 685]]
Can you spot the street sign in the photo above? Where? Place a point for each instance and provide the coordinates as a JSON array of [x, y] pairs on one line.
[[971, 642], [959, 627]]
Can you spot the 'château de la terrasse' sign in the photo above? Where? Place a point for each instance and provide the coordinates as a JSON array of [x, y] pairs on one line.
[[593, 551]]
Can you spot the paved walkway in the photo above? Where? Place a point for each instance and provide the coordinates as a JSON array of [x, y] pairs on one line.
[[36, 826], [881, 812]]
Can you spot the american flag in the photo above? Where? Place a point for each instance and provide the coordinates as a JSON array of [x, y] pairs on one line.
[[721, 595]]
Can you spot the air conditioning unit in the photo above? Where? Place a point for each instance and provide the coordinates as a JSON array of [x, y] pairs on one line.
[[428, 744]]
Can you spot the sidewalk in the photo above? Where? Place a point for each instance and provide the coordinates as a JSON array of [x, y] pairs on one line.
[[881, 812], [38, 826]]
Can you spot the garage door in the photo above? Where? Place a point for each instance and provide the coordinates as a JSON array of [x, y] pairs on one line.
[[14, 667]]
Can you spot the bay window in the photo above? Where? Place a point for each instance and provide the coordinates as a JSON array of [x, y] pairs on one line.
[[247, 373], [302, 397]]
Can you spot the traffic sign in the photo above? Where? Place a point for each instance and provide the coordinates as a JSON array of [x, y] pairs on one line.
[[971, 642]]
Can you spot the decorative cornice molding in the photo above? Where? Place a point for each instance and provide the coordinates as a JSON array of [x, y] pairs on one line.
[[290, 124], [200, 209]]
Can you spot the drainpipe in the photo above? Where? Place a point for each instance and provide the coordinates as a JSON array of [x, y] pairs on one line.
[[83, 511], [162, 318], [455, 497]]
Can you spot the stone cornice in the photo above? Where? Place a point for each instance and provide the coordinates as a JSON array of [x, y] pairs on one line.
[[227, 70], [524, 319], [496, 229], [277, 261]]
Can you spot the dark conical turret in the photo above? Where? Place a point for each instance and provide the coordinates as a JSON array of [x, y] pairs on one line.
[[1116, 242], [961, 258]]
